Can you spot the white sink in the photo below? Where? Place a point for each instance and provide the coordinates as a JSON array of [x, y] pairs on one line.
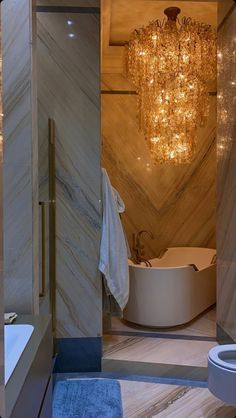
[[16, 338]]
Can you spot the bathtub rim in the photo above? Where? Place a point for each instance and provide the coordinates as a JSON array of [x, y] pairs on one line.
[[184, 266]]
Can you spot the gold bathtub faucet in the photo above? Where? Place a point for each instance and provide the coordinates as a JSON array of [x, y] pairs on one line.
[[138, 248]]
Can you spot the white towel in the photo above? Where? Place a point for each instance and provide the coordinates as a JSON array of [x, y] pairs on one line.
[[9, 317], [119, 202], [113, 251]]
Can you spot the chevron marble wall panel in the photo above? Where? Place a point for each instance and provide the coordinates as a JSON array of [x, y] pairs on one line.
[[176, 203]]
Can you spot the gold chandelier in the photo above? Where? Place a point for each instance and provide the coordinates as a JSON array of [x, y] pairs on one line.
[[170, 63]]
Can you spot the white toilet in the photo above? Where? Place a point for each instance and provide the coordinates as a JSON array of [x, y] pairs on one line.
[[222, 372]]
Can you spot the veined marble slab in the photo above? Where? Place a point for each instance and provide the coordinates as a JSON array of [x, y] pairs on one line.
[[69, 92], [176, 203], [147, 400], [2, 386], [226, 177], [20, 199], [224, 7], [157, 350], [69, 3]]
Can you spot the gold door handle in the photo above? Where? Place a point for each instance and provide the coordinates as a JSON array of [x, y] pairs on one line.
[[43, 249]]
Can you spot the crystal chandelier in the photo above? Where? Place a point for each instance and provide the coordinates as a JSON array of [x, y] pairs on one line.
[[170, 63]]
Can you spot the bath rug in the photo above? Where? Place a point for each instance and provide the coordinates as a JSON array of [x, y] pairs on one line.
[[87, 398]]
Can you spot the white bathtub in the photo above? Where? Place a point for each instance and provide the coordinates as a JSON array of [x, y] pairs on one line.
[[16, 338], [171, 292]]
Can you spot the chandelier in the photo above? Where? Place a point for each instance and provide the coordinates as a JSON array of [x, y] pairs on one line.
[[170, 63]]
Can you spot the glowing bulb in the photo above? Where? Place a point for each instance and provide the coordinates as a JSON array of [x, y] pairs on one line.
[[185, 58], [155, 139], [70, 22], [71, 35]]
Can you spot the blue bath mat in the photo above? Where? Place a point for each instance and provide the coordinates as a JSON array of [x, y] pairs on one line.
[[87, 398]]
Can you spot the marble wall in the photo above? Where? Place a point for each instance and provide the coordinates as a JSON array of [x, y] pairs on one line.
[[2, 386], [20, 157], [226, 178], [68, 92], [69, 3], [176, 203]]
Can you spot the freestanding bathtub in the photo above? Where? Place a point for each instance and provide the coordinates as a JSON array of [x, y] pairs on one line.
[[16, 338], [178, 287]]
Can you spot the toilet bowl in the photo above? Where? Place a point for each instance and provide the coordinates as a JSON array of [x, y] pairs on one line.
[[222, 372]]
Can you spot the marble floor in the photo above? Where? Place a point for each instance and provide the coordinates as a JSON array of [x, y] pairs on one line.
[[179, 346], [176, 353], [204, 325], [157, 350], [148, 400]]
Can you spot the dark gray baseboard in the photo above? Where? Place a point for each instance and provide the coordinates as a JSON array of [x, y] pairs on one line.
[[132, 378], [78, 355], [222, 337], [155, 370]]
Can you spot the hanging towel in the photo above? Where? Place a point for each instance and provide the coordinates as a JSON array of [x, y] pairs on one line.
[[113, 251], [9, 317], [119, 202], [121, 208]]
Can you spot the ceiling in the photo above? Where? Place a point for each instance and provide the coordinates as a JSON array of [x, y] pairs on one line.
[[131, 14], [121, 17]]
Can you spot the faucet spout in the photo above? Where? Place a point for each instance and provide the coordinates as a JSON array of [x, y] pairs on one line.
[[138, 248], [144, 231]]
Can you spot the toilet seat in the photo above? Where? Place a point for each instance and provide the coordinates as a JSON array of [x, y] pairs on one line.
[[222, 355]]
